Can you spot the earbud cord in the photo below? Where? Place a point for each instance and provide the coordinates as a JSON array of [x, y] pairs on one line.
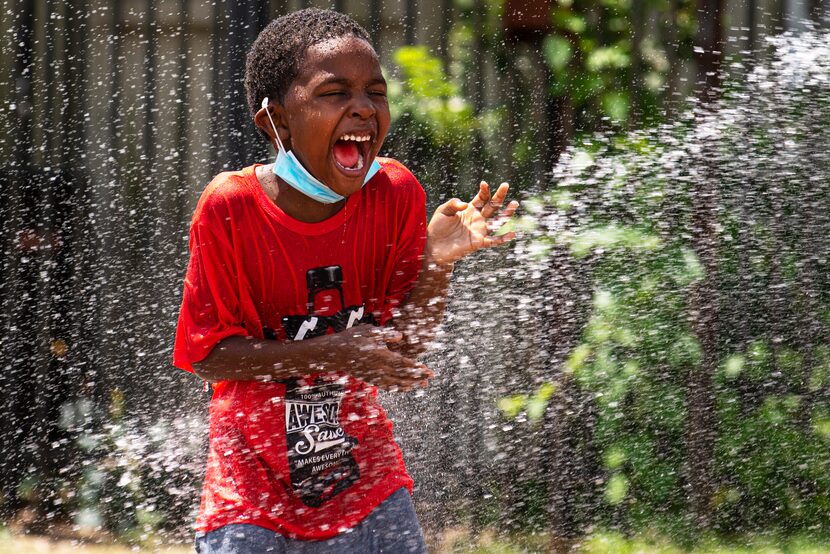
[[276, 134]]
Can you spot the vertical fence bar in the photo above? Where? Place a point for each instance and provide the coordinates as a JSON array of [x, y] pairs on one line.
[[114, 101], [144, 191], [49, 62], [709, 51], [111, 199], [85, 287], [638, 34], [73, 126], [444, 37], [53, 207], [375, 23], [8, 250], [149, 139], [699, 428], [670, 38], [278, 8], [217, 93], [478, 54], [262, 15], [410, 21], [182, 97], [23, 85], [236, 108]]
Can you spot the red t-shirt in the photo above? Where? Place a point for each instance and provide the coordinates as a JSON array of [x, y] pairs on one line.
[[306, 458]]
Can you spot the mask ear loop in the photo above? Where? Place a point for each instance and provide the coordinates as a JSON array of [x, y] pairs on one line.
[[276, 134]]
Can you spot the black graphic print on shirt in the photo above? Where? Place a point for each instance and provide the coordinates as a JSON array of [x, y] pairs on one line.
[[319, 451], [310, 325]]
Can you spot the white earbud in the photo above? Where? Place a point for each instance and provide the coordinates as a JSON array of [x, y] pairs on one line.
[[268, 112]]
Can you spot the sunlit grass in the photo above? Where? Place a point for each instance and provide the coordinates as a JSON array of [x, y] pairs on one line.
[[459, 542], [611, 543]]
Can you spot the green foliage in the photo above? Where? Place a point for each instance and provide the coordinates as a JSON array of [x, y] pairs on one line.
[[558, 52], [511, 406], [533, 405], [627, 202], [591, 55], [616, 489], [449, 126], [432, 100], [623, 211]]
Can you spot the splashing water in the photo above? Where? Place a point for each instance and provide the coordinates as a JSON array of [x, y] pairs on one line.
[[567, 397], [564, 398], [563, 391]]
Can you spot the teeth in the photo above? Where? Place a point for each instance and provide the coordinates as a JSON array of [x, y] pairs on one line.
[[355, 138]]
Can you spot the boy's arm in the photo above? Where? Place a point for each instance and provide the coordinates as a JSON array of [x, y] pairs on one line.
[[456, 229], [361, 351]]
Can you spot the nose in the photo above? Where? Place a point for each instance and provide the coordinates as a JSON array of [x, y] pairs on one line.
[[363, 107]]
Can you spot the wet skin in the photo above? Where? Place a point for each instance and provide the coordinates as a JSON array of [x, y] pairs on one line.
[[340, 90]]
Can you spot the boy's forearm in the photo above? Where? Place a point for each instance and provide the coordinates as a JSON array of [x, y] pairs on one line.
[[361, 351], [249, 359], [423, 311]]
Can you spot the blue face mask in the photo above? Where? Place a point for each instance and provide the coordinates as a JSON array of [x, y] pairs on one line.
[[288, 168]]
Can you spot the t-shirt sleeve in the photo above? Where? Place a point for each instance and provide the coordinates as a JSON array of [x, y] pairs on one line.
[[412, 236], [210, 308]]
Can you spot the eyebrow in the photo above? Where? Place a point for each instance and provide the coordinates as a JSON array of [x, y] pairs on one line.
[[345, 81]]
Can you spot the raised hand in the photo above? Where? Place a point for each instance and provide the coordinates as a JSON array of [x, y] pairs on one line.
[[458, 228]]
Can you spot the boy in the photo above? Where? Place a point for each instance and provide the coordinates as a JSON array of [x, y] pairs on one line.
[[310, 283]]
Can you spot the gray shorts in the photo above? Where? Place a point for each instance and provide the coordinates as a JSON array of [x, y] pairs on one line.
[[392, 528]]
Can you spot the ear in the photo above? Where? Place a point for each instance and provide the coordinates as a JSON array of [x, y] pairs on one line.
[[262, 122]]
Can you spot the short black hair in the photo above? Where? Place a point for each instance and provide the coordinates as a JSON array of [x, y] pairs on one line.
[[274, 59]]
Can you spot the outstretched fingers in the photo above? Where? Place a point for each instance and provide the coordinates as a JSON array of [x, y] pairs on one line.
[[495, 223], [509, 210], [493, 205], [482, 197]]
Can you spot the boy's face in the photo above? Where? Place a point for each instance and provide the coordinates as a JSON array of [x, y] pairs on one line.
[[335, 113]]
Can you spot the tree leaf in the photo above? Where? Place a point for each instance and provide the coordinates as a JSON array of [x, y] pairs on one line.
[[557, 52], [616, 489], [511, 406]]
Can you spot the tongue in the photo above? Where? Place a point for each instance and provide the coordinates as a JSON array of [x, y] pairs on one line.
[[346, 153]]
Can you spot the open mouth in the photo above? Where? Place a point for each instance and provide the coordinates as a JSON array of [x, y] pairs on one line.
[[351, 152]]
